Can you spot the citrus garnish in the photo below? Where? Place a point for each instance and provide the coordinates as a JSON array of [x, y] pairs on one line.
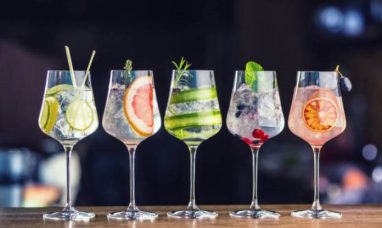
[[58, 88], [138, 106], [49, 114], [320, 114], [79, 115]]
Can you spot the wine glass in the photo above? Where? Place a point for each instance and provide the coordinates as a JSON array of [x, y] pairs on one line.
[[193, 115], [255, 115], [131, 115], [68, 114], [317, 115]]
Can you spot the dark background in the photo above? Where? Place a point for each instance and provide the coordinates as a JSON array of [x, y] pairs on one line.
[[285, 36]]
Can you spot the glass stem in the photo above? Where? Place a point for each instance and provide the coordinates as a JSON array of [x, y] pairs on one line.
[[192, 203], [316, 156], [68, 153], [255, 155], [132, 206]]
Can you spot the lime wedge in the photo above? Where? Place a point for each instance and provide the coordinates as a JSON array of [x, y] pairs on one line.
[[193, 119], [79, 115], [250, 73], [58, 88], [48, 114], [194, 95]]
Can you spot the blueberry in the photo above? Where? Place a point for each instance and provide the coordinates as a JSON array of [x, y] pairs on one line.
[[255, 142], [254, 102], [237, 114], [240, 106], [345, 84]]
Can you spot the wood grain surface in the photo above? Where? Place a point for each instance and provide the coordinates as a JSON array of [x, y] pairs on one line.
[[353, 216]]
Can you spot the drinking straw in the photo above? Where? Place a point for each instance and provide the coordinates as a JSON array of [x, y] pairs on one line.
[[70, 66], [88, 69]]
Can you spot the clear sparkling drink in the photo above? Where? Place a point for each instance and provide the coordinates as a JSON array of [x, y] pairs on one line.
[[68, 114], [250, 111]]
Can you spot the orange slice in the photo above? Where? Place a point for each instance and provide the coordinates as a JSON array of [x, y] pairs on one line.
[[320, 113], [138, 106]]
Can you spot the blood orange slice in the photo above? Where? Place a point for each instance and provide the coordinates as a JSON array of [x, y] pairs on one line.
[[138, 106], [320, 114]]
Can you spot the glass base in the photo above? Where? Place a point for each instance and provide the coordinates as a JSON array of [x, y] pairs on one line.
[[193, 214], [254, 213], [132, 215], [319, 214], [69, 215]]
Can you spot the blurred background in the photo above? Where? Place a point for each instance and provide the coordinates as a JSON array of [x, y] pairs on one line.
[[285, 36]]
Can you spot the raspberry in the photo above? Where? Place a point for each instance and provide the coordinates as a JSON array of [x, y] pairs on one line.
[[247, 140], [258, 134]]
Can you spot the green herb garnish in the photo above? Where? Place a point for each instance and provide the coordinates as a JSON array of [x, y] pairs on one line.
[[128, 66], [250, 74], [181, 69]]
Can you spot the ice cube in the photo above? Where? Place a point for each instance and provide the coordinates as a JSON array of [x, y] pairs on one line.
[[244, 95], [267, 110]]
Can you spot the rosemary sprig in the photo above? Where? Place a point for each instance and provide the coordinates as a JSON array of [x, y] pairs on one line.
[[181, 69]]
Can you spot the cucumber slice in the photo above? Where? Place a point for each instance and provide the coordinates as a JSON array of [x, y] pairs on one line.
[[194, 95], [193, 119]]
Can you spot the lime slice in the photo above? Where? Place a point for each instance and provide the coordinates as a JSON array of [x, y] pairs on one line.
[[194, 95], [79, 115], [193, 119], [58, 88], [48, 114], [250, 73]]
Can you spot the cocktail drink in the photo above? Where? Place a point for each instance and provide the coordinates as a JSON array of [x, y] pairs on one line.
[[131, 115], [254, 116], [317, 116], [68, 114], [193, 116]]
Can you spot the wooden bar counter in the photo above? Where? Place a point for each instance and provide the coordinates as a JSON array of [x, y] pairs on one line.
[[353, 216]]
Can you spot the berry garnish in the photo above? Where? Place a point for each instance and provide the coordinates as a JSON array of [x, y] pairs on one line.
[[246, 140], [237, 114], [240, 106], [265, 138], [258, 133], [345, 83], [256, 142]]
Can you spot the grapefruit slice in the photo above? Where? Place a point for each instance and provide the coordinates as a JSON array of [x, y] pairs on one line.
[[320, 114], [138, 106]]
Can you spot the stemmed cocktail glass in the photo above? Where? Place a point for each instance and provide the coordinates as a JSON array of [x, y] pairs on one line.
[[193, 116], [131, 115], [317, 115], [68, 114], [255, 115]]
